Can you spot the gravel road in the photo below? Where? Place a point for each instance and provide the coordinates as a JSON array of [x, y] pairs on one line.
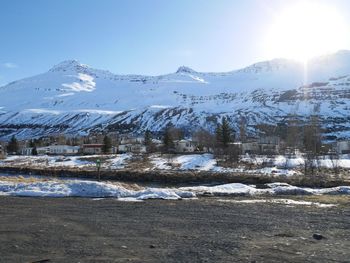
[[203, 230]]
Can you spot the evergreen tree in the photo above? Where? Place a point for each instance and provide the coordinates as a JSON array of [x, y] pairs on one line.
[[12, 147], [218, 134], [148, 138], [34, 151], [150, 146], [226, 132], [223, 133], [31, 143], [107, 144]]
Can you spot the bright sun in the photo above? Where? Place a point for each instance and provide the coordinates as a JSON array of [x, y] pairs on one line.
[[306, 30]]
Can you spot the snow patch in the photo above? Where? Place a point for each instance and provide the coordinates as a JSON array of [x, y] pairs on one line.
[[86, 83], [43, 111], [65, 94], [43, 187], [237, 189], [277, 201], [101, 112]]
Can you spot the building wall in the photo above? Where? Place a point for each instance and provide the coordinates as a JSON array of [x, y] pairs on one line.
[[184, 146], [26, 151], [92, 150], [250, 147], [343, 147]]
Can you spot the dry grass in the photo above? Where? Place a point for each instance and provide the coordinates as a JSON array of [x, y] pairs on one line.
[[138, 163], [30, 180], [128, 186], [21, 179]]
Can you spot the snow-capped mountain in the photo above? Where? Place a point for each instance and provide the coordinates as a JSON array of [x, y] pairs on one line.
[[73, 97]]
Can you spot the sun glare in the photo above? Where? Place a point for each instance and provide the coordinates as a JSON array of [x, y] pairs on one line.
[[306, 30]]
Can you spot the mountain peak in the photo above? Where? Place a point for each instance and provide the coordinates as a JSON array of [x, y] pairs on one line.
[[68, 65], [184, 69], [273, 65]]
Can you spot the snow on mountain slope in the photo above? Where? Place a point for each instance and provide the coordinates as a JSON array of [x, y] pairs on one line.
[[72, 97]]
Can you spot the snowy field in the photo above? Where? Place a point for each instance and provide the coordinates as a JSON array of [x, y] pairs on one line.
[[279, 165], [116, 161], [272, 166]]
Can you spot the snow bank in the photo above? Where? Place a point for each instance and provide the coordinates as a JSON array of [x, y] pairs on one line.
[[278, 201], [84, 188], [237, 189], [80, 188], [118, 162], [225, 189]]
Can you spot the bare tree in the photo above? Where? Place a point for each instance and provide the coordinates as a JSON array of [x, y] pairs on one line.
[[293, 138], [205, 140], [312, 140]]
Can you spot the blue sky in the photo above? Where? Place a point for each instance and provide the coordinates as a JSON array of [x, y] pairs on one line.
[[135, 36]]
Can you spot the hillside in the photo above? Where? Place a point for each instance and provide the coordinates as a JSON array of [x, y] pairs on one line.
[[75, 98]]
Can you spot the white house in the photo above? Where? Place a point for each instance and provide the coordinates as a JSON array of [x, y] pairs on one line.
[[26, 151], [250, 147], [123, 148], [133, 148], [92, 148], [58, 150], [343, 147], [182, 146], [132, 144], [131, 140], [269, 144], [138, 148]]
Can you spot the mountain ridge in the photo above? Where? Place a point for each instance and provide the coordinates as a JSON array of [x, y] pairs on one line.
[[74, 98]]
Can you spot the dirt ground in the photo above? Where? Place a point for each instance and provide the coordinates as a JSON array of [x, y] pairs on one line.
[[203, 230]]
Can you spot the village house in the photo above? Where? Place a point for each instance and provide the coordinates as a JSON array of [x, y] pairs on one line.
[[26, 151], [62, 149], [131, 144], [263, 145], [52, 150], [92, 148], [250, 147], [124, 148], [133, 148], [182, 146], [157, 142], [157, 145], [138, 148], [124, 140], [269, 144], [343, 147]]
